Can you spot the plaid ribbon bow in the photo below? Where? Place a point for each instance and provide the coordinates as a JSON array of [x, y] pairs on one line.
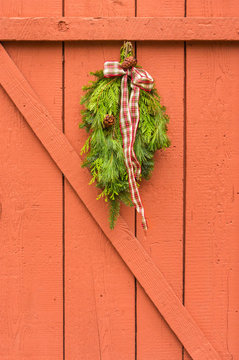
[[129, 120]]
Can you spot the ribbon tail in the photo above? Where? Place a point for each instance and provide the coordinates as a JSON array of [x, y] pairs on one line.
[[128, 132], [134, 112]]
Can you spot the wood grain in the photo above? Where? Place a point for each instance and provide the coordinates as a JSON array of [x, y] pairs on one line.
[[106, 306], [31, 208], [128, 247], [211, 293], [119, 28]]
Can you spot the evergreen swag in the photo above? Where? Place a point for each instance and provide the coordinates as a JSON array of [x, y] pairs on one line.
[[103, 148]]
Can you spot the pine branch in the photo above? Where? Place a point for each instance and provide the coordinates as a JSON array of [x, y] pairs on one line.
[[103, 148], [114, 212]]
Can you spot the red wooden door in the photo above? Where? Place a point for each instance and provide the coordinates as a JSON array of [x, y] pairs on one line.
[[65, 292]]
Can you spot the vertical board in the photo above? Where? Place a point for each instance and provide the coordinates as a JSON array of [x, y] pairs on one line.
[[162, 196], [212, 229], [31, 207], [100, 297]]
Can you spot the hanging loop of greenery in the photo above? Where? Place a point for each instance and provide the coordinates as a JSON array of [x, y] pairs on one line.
[[103, 148]]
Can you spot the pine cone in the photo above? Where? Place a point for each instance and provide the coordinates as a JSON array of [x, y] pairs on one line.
[[128, 62], [109, 120]]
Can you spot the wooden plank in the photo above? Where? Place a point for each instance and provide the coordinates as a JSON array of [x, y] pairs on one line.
[[31, 208], [163, 195], [129, 248], [211, 291], [119, 28], [106, 308], [93, 267], [212, 229]]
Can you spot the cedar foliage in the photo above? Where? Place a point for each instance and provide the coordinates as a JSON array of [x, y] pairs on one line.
[[103, 148]]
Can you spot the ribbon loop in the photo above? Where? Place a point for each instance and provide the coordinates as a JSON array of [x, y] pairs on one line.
[[129, 120], [142, 79]]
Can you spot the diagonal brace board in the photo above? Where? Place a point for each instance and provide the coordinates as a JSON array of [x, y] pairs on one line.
[[126, 244]]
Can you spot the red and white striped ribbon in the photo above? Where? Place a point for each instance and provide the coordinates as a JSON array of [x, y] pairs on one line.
[[129, 120]]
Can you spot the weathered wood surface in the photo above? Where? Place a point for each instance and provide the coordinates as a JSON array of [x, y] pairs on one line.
[[31, 208], [162, 196], [129, 248], [94, 269], [119, 28], [211, 292]]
